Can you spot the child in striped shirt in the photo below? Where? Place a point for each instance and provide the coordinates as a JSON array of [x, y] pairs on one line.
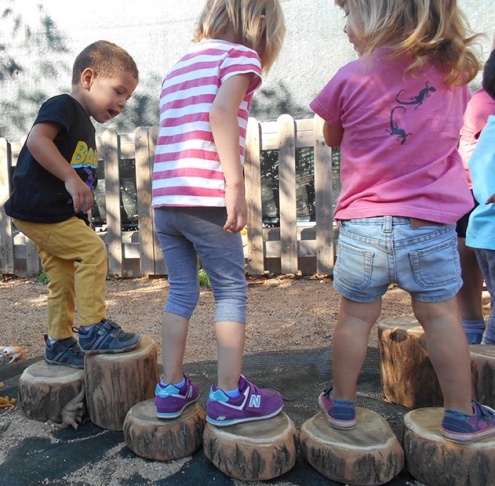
[[199, 201]]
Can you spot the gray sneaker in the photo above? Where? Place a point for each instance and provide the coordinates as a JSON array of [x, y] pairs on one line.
[[106, 337], [64, 352]]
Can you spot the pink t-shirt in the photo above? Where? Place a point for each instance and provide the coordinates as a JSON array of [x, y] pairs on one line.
[[400, 133], [187, 169], [480, 107]]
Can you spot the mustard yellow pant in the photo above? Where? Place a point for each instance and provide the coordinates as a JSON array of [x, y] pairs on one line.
[[75, 259]]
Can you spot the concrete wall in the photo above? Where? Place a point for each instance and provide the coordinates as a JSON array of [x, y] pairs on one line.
[[156, 32]]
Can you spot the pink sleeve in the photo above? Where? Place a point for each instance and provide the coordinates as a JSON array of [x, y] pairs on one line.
[[477, 113], [240, 61], [328, 103]]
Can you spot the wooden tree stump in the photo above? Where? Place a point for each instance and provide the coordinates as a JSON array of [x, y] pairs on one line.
[[259, 450], [435, 461], [116, 382], [367, 455], [163, 440], [483, 373], [45, 389], [407, 375]]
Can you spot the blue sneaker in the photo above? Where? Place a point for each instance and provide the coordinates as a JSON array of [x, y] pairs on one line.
[[463, 428], [474, 337], [340, 413], [64, 352], [106, 337]]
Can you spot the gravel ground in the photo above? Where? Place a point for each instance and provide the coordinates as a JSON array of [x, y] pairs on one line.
[[288, 312], [284, 313]]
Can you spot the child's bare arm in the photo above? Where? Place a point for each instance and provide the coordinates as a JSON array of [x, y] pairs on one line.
[[40, 144], [332, 135], [225, 128]]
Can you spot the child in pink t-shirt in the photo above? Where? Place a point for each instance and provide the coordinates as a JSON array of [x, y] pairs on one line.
[[396, 113], [480, 107]]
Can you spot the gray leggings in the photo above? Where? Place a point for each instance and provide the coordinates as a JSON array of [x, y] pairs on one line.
[[486, 262], [188, 233]]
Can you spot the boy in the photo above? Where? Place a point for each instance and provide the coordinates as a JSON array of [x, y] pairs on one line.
[[54, 181]]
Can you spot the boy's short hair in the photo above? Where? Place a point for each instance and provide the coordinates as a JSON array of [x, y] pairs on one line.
[[488, 82], [106, 59]]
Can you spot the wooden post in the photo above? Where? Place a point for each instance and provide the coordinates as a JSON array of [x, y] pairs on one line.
[[45, 389], [33, 263], [163, 440], [367, 455], [111, 153], [6, 236], [325, 252], [253, 451], [252, 171], [116, 382], [287, 181], [483, 373], [151, 257], [435, 461], [408, 377]]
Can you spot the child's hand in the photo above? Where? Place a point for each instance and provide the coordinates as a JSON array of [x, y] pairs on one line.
[[491, 199], [236, 210], [82, 196]]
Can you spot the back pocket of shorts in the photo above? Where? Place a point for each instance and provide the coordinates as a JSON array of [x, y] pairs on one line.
[[437, 265], [354, 266]]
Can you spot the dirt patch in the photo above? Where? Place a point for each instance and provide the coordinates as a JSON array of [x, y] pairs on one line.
[[284, 313], [288, 312]]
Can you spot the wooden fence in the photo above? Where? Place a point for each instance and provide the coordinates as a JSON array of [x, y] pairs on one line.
[[290, 248]]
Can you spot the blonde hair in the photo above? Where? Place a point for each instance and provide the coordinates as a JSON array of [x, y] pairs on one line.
[[257, 24], [427, 31], [106, 59]]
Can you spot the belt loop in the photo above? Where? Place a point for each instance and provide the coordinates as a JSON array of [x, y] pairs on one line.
[[387, 224]]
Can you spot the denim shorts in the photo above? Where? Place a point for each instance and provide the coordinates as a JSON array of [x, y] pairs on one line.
[[373, 253]]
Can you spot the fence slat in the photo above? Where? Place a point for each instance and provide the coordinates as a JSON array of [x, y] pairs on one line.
[[111, 157], [325, 253], [160, 264], [287, 182], [33, 263], [151, 258], [6, 236], [143, 187], [252, 171]]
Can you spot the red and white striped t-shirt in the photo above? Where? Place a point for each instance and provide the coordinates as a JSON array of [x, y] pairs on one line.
[[187, 169]]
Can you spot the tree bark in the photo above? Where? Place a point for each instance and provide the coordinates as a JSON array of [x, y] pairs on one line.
[[163, 440], [435, 461], [259, 450], [116, 382], [45, 389], [483, 372], [408, 377], [367, 455]]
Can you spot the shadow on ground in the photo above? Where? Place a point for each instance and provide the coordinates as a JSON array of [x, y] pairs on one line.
[[60, 457]]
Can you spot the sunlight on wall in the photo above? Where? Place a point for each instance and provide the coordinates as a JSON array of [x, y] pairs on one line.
[[156, 33]]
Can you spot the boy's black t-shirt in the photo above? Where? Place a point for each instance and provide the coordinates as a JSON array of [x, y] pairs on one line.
[[39, 196]]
